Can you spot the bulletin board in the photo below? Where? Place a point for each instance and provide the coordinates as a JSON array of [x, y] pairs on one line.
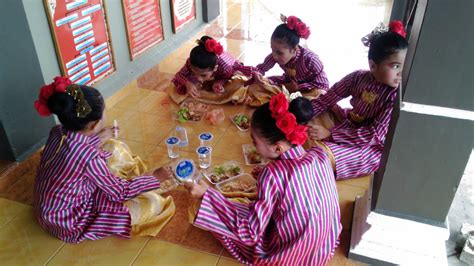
[[143, 22], [182, 12], [82, 40]]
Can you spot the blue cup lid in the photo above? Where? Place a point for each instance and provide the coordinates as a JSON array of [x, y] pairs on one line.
[[205, 136], [172, 140], [184, 169], [203, 150]]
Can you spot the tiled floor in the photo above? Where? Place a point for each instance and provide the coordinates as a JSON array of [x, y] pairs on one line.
[[144, 113]]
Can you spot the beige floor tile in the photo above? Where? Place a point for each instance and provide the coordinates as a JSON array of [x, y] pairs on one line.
[[230, 145], [158, 252], [23, 242], [228, 262], [172, 65], [107, 251], [9, 210]]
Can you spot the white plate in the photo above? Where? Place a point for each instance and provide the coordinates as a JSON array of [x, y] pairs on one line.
[[225, 165]]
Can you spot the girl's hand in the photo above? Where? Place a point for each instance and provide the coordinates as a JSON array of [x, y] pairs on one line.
[[192, 90], [217, 88], [196, 190], [107, 133], [291, 86], [163, 173], [318, 132]]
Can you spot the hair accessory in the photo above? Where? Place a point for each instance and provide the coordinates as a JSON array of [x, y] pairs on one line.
[[82, 107], [212, 46], [395, 26], [62, 85], [286, 121], [58, 85], [294, 23]]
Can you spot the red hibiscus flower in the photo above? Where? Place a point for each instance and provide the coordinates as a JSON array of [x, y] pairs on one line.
[[286, 123], [45, 92], [302, 30], [61, 83], [292, 22], [218, 49], [397, 27], [278, 105], [42, 108], [210, 45], [298, 136]]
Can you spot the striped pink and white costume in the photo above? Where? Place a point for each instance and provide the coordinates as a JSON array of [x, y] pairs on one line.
[[294, 221], [76, 196], [357, 142], [309, 70], [227, 66]]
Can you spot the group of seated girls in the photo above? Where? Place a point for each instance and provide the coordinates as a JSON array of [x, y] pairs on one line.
[[294, 218]]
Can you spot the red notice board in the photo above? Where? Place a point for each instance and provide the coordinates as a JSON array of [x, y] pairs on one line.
[[81, 37], [143, 21], [183, 12]]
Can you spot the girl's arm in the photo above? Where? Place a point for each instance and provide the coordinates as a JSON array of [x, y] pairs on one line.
[[267, 64], [245, 223], [184, 75], [316, 76], [373, 134], [339, 91], [115, 188]]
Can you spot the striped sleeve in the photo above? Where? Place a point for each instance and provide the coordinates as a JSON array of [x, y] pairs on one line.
[[338, 91], [115, 188], [373, 134], [246, 70], [267, 64], [180, 79], [244, 223], [316, 74], [225, 69]]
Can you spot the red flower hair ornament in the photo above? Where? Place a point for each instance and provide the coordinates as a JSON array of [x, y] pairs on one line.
[[286, 121], [395, 26], [213, 46], [294, 23], [58, 85]]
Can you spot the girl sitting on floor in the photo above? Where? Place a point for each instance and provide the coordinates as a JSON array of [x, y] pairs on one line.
[[303, 70], [210, 75], [76, 197], [295, 219], [356, 142]]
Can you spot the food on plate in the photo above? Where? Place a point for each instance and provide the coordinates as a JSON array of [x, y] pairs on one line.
[[224, 172], [237, 185], [191, 111], [241, 121], [253, 156]]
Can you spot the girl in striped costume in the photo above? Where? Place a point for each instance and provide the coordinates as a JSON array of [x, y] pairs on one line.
[[210, 75], [356, 142], [295, 219], [76, 196], [303, 70]]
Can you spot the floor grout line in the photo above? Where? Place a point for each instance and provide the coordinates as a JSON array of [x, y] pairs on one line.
[[54, 254], [141, 250]]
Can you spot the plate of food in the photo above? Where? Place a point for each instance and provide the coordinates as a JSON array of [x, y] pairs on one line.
[[240, 183], [252, 157], [191, 111], [241, 121], [223, 172]]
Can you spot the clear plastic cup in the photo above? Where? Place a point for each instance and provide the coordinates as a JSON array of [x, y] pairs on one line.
[[182, 135], [204, 154], [205, 139], [173, 147]]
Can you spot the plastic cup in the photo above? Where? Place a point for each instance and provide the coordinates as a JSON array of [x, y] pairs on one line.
[[182, 136], [205, 139], [204, 154], [173, 147]]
